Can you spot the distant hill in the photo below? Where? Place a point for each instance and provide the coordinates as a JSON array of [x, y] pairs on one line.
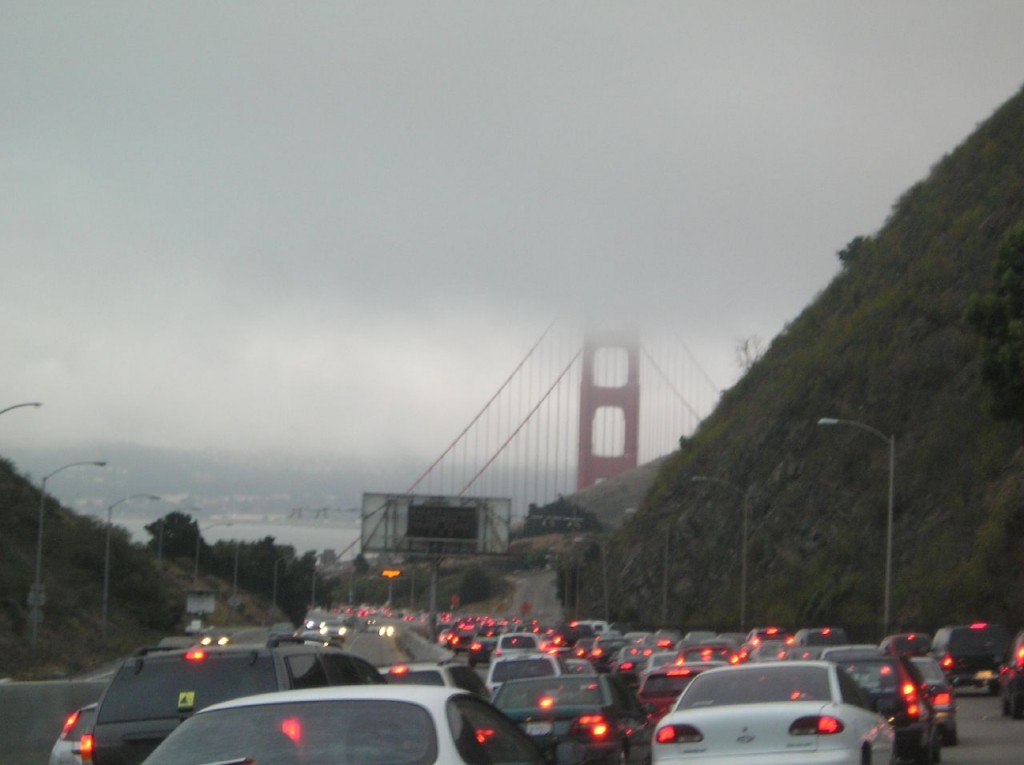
[[885, 344]]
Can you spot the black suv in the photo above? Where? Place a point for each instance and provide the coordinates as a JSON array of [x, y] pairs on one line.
[[970, 654], [896, 689], [156, 689]]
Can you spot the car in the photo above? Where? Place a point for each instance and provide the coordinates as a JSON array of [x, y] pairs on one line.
[[523, 666], [770, 650], [462, 637], [908, 643], [852, 651], [597, 713], [659, 688], [666, 639], [630, 661], [779, 713], [513, 643], [1011, 679], [153, 691], [659, 659], [602, 653], [357, 724], [971, 654], [436, 673], [482, 647], [942, 695], [897, 690], [75, 739]]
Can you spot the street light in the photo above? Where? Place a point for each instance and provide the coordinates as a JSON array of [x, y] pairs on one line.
[[273, 607], [37, 596], [745, 494], [891, 440], [199, 539], [106, 555]]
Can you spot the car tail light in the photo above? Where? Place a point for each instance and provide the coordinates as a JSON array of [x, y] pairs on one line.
[[292, 728], [476, 647], [678, 734], [593, 726], [979, 626], [909, 693], [1020, 656], [85, 744], [947, 662], [816, 725], [942, 699], [626, 666], [399, 669], [195, 655], [69, 724]]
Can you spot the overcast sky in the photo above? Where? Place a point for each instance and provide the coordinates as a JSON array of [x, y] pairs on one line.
[[336, 227]]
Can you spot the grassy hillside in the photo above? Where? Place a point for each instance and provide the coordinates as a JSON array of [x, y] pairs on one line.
[[885, 344]]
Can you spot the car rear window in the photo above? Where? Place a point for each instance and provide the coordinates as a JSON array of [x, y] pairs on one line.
[[519, 641], [756, 686], [335, 732], [147, 690], [993, 639], [514, 670], [416, 677], [666, 684]]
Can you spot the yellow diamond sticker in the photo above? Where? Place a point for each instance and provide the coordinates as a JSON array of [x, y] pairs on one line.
[[186, 700]]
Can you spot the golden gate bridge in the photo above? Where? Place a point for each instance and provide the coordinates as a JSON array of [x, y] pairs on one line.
[[579, 407]]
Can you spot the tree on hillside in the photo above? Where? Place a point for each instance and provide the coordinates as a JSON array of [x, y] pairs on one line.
[[174, 535], [998, 317]]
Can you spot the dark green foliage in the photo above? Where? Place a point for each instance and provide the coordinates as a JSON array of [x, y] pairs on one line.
[[998, 317], [884, 344]]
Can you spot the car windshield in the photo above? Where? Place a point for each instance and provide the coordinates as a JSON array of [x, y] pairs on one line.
[[335, 732], [930, 670], [528, 642], [565, 691], [756, 685]]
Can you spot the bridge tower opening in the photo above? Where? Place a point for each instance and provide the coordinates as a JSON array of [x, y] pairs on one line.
[[609, 407]]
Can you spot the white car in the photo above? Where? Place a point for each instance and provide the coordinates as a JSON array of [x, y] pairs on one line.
[[436, 673], [778, 713], [516, 643], [349, 725], [76, 735]]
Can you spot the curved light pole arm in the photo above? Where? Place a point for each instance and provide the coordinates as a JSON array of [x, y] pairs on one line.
[[18, 406]]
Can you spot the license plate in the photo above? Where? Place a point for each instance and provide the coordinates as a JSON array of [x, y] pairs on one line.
[[538, 728], [985, 674]]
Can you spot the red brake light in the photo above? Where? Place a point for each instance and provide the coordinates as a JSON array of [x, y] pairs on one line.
[[69, 724], [292, 728], [85, 747], [678, 734], [594, 726], [545, 702], [979, 626], [399, 669], [942, 699], [195, 655], [816, 725], [947, 662], [626, 666]]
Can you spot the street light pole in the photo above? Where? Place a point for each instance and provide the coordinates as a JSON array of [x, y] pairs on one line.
[[745, 494], [891, 441], [273, 607], [36, 597], [106, 556]]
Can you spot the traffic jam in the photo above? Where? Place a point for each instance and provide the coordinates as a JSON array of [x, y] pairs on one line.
[[511, 690]]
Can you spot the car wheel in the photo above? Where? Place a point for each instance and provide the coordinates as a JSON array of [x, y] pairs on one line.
[[1016, 706], [1006, 705], [950, 737]]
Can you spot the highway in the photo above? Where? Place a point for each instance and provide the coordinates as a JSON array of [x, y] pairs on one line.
[[31, 713]]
